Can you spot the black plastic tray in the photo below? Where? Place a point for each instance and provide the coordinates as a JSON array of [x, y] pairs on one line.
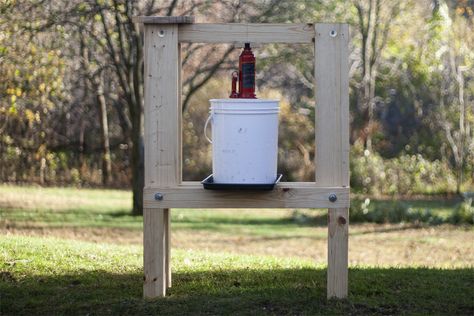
[[209, 184]]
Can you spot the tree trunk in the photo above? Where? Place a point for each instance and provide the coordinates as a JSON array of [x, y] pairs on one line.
[[138, 179], [136, 116], [81, 145], [104, 128]]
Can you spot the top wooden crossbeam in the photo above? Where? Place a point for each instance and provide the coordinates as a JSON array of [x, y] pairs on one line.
[[190, 32], [246, 32], [186, 19]]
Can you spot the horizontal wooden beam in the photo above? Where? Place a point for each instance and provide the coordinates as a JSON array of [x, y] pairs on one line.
[[248, 33], [163, 19], [285, 195]]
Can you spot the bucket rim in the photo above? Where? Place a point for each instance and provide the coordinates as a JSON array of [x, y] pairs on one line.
[[237, 100], [244, 112]]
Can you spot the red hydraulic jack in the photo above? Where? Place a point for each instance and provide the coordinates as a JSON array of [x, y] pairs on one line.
[[245, 75]]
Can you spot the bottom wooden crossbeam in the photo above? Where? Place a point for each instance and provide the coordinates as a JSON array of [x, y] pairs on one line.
[[285, 195], [158, 201]]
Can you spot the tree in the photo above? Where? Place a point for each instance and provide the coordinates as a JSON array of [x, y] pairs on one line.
[[124, 46], [71, 100], [374, 19], [455, 116]]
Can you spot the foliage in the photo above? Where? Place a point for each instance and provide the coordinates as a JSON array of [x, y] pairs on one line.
[[31, 91], [395, 211], [392, 212], [406, 174], [464, 213], [71, 103]]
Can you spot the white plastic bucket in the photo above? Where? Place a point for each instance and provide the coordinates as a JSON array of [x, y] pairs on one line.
[[244, 140]]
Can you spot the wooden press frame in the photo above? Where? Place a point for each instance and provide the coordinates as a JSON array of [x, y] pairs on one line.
[[164, 188]]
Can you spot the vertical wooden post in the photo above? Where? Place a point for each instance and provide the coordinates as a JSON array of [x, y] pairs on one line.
[[338, 233], [154, 253], [178, 176], [162, 148], [332, 142], [167, 223]]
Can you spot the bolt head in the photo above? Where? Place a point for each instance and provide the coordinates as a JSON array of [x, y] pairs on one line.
[[158, 196], [332, 197]]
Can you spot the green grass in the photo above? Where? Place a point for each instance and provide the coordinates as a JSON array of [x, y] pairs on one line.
[[53, 276], [62, 207], [419, 270], [71, 207]]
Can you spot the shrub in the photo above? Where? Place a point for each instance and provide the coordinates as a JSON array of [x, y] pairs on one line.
[[406, 174], [464, 213], [391, 212]]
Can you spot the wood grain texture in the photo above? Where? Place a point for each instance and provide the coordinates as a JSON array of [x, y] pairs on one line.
[[162, 113], [332, 104], [332, 142], [154, 282], [162, 148], [338, 248], [180, 115], [163, 19], [167, 251], [285, 195], [242, 32]]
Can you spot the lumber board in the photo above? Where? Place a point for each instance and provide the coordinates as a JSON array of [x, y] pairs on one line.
[[163, 19], [285, 195], [162, 149], [162, 112], [154, 281], [246, 32], [338, 249], [167, 250], [332, 104]]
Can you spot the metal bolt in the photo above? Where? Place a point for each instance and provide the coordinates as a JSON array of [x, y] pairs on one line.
[[332, 197], [158, 196], [333, 33]]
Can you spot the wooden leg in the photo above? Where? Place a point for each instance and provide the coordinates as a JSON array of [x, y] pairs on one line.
[[338, 229], [154, 253], [168, 246]]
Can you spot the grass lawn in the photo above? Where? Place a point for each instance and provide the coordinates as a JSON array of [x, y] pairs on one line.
[[46, 276], [67, 251]]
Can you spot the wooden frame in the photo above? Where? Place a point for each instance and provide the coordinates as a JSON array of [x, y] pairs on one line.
[[164, 188]]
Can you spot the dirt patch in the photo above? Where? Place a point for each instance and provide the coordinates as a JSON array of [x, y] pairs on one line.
[[91, 234]]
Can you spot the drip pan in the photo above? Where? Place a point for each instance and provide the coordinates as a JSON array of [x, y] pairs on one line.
[[209, 184]]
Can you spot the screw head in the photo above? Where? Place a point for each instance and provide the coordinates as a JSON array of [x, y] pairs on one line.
[[333, 33], [332, 197], [158, 196]]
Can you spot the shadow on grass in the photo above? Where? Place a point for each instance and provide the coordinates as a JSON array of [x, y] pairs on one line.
[[285, 291], [237, 221], [288, 221], [220, 224], [392, 228], [124, 213], [68, 218]]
